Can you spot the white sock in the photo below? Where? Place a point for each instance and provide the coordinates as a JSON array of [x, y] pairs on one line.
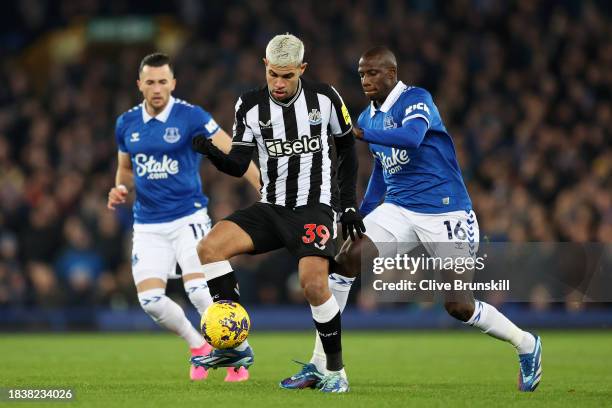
[[342, 373], [340, 287], [215, 269], [326, 311], [527, 344], [197, 291], [488, 319], [318, 355], [165, 312]]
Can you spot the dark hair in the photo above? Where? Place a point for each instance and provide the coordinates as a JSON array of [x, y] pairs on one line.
[[157, 59]]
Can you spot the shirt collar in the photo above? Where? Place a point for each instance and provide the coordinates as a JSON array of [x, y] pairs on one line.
[[162, 116], [390, 100]]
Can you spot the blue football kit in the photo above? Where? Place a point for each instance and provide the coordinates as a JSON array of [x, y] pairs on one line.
[[166, 169], [415, 162]]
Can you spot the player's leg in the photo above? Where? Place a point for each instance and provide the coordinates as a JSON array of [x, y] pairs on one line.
[[314, 246], [152, 260], [491, 321], [185, 239], [383, 227], [313, 273], [225, 240], [195, 281], [439, 234], [345, 268], [245, 231]]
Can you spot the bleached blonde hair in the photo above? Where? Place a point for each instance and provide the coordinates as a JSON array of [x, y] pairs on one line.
[[285, 50]]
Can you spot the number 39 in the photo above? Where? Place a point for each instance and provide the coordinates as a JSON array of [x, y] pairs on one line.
[[321, 231]]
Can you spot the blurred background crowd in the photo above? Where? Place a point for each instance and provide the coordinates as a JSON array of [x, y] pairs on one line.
[[524, 87]]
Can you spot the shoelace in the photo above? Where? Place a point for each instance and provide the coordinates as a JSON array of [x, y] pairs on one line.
[[306, 370], [330, 381]]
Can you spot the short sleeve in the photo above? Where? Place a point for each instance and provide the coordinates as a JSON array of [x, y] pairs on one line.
[[418, 104], [119, 131], [203, 123], [340, 120], [242, 133]]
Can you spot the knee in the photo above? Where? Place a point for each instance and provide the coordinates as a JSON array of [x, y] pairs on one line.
[[315, 292], [460, 310], [349, 259], [208, 251], [314, 285]]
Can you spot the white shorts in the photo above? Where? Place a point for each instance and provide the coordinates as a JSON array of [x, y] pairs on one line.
[[396, 230], [158, 247]]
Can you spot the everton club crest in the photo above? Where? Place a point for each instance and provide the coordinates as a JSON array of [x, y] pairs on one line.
[[389, 123], [172, 135]]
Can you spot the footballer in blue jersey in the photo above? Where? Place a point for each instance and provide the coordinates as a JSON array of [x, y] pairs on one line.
[[416, 196], [156, 161]]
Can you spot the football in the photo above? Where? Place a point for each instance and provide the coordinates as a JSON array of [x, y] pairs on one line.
[[225, 324]]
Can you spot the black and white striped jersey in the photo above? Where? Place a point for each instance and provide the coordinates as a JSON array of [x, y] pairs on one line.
[[294, 140]]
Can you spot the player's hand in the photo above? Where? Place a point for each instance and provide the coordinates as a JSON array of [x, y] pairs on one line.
[[200, 144], [117, 195], [357, 132], [352, 224]]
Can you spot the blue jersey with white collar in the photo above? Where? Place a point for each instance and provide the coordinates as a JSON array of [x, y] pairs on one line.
[[426, 179], [166, 169]]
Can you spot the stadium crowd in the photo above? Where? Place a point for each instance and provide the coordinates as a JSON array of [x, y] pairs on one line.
[[523, 87]]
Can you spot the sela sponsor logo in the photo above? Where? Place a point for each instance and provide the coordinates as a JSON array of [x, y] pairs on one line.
[[314, 117], [303, 145], [135, 137], [417, 106], [172, 135], [389, 123], [149, 167], [393, 163]]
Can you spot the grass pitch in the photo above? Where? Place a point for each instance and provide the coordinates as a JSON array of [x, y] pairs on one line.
[[389, 369]]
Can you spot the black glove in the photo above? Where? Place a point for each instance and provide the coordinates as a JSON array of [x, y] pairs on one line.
[[352, 222], [201, 144]]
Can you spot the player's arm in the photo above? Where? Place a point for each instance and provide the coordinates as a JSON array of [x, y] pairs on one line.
[[376, 189], [236, 163], [234, 159], [124, 181], [124, 177], [341, 125], [415, 121], [223, 141], [347, 171], [238, 158], [409, 136]]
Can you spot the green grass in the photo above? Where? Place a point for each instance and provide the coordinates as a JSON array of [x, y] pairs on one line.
[[392, 369]]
